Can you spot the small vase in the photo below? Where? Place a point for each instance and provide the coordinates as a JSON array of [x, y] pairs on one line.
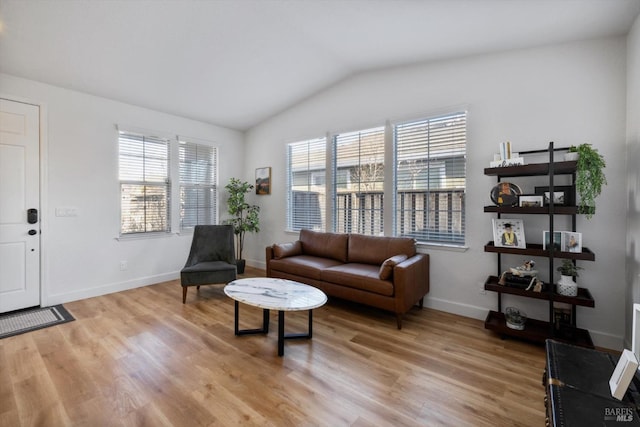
[[567, 287]]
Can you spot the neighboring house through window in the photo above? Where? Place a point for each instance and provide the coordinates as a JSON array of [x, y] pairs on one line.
[[144, 183], [306, 185], [198, 184], [358, 168], [430, 179], [426, 182], [147, 199]]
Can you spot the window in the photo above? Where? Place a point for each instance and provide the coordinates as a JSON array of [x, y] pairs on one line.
[[306, 198], [198, 191], [358, 168], [144, 183], [430, 179]]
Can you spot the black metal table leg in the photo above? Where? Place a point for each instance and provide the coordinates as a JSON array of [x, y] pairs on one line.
[[282, 336], [265, 322], [280, 333]]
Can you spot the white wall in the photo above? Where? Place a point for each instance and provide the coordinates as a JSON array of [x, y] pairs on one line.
[[570, 94], [633, 174], [81, 256]]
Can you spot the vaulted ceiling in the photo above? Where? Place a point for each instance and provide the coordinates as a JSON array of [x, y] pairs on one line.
[[235, 63]]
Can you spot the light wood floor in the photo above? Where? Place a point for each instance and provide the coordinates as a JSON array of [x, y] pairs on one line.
[[142, 358]]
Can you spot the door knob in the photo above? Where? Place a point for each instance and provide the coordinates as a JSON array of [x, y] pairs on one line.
[[32, 232]]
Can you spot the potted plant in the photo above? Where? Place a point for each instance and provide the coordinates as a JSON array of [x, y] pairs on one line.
[[244, 217], [568, 270], [589, 177]]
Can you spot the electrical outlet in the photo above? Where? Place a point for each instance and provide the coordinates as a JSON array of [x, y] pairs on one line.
[[481, 289], [123, 265]]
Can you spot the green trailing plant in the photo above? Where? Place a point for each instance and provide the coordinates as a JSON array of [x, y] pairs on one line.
[[589, 177], [568, 268], [244, 217]]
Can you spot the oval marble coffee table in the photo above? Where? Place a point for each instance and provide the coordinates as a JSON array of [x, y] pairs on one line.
[[274, 294]]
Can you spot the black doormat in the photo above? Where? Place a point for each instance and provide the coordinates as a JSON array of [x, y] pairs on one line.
[[21, 321]]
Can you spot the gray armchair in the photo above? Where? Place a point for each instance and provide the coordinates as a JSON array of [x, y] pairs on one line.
[[211, 259]]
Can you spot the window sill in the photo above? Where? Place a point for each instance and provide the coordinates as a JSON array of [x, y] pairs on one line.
[[441, 247], [143, 236]]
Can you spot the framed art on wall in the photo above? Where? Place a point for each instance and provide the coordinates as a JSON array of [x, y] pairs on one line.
[[263, 181]]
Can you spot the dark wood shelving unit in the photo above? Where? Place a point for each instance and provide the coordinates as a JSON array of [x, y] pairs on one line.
[[534, 169], [534, 249], [539, 330], [583, 298], [557, 210]]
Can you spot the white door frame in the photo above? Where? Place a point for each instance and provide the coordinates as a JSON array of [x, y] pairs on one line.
[[43, 217]]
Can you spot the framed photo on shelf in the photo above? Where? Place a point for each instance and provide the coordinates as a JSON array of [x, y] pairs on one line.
[[571, 241], [509, 233], [557, 240], [530, 201], [562, 195]]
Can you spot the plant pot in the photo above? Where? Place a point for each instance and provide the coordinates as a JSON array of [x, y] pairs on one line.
[[240, 263], [571, 156], [567, 287]]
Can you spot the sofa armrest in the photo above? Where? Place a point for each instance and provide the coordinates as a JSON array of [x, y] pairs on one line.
[[411, 281], [268, 257]]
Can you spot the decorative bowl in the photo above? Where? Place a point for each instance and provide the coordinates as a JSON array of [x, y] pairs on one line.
[[515, 318]]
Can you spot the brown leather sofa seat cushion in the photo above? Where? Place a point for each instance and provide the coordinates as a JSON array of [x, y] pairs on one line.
[[375, 249], [303, 265], [359, 276], [326, 245]]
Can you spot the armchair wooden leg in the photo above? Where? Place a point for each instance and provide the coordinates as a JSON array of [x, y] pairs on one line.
[[399, 320], [421, 302], [184, 294]]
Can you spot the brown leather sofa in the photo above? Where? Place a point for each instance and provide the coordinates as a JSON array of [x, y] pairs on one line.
[[383, 272]]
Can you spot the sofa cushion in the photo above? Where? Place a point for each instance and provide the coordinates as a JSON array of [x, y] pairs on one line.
[[386, 269], [358, 276], [303, 265], [376, 249], [283, 250], [326, 245]]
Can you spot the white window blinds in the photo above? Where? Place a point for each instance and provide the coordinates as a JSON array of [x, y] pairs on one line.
[[198, 185], [430, 179], [358, 171], [144, 183], [306, 184]]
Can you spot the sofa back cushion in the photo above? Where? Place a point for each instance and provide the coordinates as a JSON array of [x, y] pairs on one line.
[[376, 249], [326, 245]]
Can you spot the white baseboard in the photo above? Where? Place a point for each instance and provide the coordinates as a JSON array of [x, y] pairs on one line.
[[109, 288]]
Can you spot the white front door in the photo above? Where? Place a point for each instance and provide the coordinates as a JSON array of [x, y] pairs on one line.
[[19, 205]]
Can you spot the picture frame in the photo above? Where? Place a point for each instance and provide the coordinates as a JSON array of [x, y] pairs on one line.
[[509, 233], [571, 241], [563, 195], [530, 201], [557, 240], [635, 333], [263, 181], [623, 374]]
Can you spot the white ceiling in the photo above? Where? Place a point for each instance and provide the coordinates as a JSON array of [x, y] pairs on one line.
[[237, 62]]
